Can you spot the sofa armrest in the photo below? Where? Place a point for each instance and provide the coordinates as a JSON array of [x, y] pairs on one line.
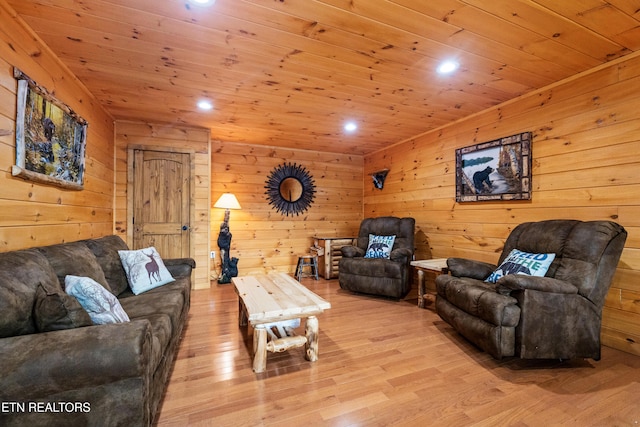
[[180, 266], [401, 255], [462, 267], [43, 364], [512, 282], [351, 251]]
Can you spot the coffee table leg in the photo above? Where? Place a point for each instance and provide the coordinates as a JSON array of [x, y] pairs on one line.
[[242, 314], [259, 348], [311, 332]]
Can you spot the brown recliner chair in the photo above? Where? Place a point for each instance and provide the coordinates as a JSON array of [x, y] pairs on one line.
[[553, 317], [378, 276]]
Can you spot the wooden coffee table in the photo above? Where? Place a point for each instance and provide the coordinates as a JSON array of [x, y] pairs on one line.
[[270, 303]]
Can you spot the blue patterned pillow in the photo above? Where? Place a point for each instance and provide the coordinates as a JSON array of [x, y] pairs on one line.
[[379, 246], [518, 262], [103, 307]]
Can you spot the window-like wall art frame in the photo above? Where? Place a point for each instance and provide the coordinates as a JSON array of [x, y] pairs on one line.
[[495, 170], [50, 138]]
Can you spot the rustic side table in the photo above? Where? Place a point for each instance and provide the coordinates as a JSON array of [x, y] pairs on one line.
[[434, 266], [330, 254]]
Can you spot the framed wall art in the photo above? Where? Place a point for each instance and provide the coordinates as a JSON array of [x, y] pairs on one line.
[[50, 138], [495, 170]]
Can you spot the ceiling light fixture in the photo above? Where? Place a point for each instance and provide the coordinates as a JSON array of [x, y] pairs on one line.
[[202, 2], [350, 127], [205, 105], [447, 67]]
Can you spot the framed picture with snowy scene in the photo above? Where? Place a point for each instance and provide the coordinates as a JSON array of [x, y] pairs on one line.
[[50, 138], [495, 170]]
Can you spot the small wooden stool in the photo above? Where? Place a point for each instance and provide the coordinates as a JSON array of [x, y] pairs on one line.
[[310, 261]]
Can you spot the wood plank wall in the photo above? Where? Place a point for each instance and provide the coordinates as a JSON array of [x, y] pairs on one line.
[[35, 214], [263, 239], [586, 162], [168, 137]]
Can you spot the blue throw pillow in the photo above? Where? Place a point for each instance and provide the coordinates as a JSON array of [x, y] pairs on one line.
[[518, 262], [379, 246]]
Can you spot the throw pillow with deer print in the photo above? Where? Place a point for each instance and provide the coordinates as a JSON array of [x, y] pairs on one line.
[[145, 269]]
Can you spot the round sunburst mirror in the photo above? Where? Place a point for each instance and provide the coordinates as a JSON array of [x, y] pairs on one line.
[[290, 189]]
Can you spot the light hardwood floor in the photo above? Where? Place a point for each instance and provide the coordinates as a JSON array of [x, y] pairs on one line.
[[383, 363]]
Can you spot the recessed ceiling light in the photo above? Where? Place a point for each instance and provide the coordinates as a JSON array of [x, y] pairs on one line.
[[205, 105], [350, 126], [202, 2], [448, 67]]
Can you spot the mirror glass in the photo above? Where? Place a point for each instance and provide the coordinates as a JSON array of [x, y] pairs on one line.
[[291, 189]]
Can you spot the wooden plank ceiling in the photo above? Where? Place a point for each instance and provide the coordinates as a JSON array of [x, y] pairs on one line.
[[291, 72]]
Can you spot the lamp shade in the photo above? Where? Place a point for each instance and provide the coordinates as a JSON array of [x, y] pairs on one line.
[[227, 201]]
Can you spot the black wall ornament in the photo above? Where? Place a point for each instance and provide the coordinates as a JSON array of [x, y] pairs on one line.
[[379, 177], [290, 189]]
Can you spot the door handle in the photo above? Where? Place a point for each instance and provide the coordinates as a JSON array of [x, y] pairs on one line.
[[185, 227]]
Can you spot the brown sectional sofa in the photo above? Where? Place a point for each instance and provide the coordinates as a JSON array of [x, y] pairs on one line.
[[98, 375]]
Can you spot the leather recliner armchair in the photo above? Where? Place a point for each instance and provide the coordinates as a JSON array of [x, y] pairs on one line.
[[377, 276], [553, 317]]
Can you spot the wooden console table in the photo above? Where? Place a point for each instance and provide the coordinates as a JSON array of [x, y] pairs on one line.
[[434, 266], [330, 254], [277, 301]]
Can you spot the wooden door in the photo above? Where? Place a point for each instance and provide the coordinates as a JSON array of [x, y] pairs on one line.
[[162, 202]]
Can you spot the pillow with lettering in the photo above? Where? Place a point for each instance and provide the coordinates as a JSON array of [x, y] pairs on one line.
[[518, 262], [379, 246], [145, 269]]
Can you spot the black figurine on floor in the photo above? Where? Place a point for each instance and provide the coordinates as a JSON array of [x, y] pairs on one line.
[[224, 243]]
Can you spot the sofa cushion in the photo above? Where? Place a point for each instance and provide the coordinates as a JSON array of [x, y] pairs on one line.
[[21, 272], [519, 262], [181, 285], [479, 299], [145, 269], [165, 311], [153, 303], [106, 250], [55, 310], [379, 246], [375, 268], [162, 334], [74, 259], [102, 306]]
